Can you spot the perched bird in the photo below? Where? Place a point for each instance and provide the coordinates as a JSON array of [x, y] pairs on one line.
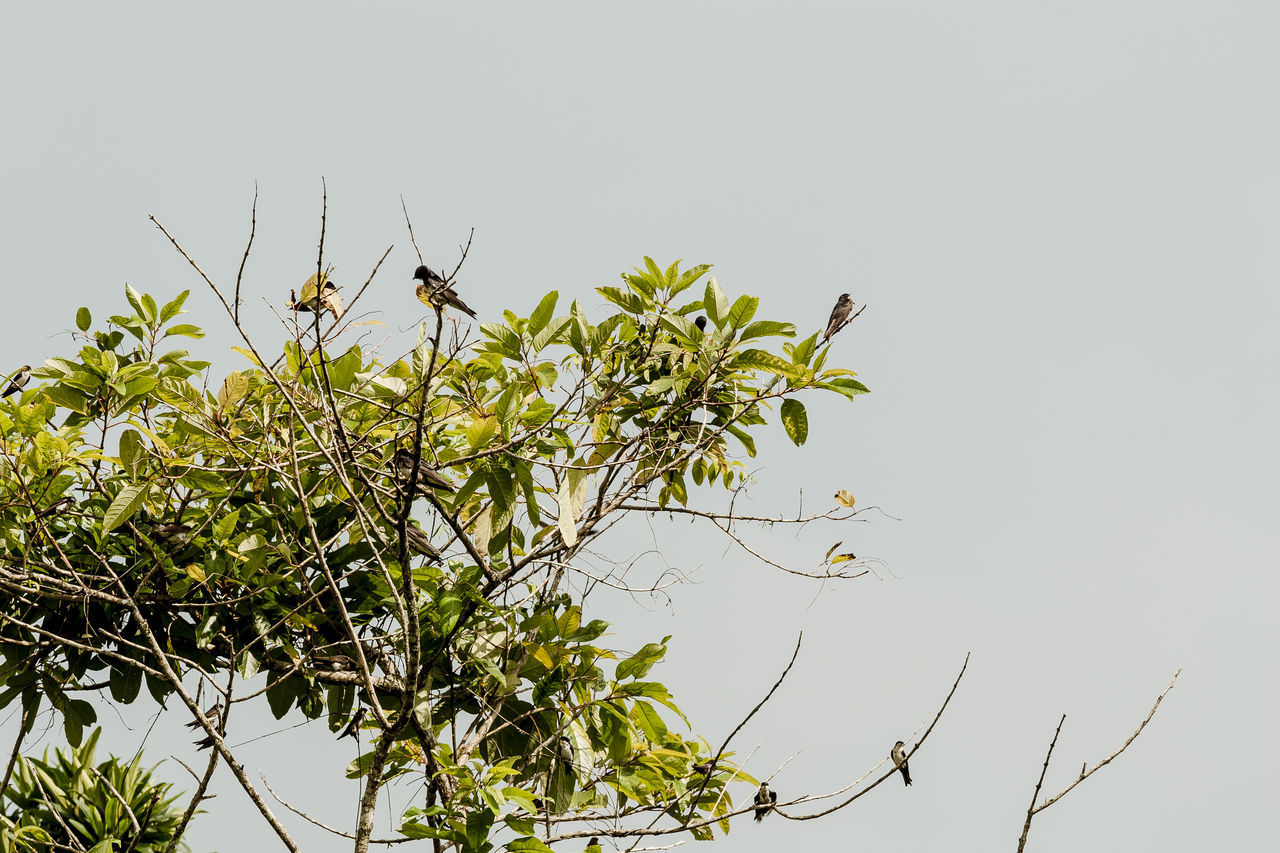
[[899, 756], [765, 800], [593, 846], [57, 508], [204, 743], [326, 299], [336, 663], [352, 729], [564, 750], [211, 714], [18, 381], [704, 767], [419, 542], [432, 290], [429, 477], [171, 531], [701, 322], [839, 316]]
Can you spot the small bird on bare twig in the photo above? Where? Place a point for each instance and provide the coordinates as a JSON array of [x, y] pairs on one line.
[[765, 800], [839, 316], [352, 729], [211, 714], [434, 291], [593, 846], [18, 382], [402, 463], [899, 756]]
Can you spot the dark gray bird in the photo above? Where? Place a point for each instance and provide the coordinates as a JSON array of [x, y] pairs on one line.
[[899, 756], [204, 743], [18, 382], [352, 729], [704, 767], [212, 713], [429, 477], [337, 663], [765, 800], [171, 531], [701, 322], [419, 542], [433, 291], [839, 315], [593, 846]]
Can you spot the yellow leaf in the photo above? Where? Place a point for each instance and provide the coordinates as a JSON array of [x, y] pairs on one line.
[[196, 573], [844, 498], [843, 558]]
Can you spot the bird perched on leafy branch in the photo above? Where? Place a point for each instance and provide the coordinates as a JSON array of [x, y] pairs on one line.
[[839, 316], [19, 381], [316, 300], [434, 291], [418, 541], [765, 800], [352, 729], [899, 756], [402, 463]]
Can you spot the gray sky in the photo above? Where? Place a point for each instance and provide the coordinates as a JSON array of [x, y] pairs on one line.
[[1062, 218]]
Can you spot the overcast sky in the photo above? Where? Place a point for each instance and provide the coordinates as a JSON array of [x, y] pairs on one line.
[[1061, 216]]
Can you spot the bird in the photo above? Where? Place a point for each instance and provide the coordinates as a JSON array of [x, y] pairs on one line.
[[765, 800], [402, 462], [326, 299], [701, 322], [704, 767], [433, 290], [204, 743], [899, 756], [336, 663], [419, 542], [211, 714], [593, 846], [171, 531], [839, 315], [352, 729], [57, 508], [18, 381], [564, 751]]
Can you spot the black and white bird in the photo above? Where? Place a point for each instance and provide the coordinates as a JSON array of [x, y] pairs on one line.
[[171, 531], [899, 756], [318, 301], [434, 291], [839, 316], [428, 477], [704, 767], [765, 800], [18, 381]]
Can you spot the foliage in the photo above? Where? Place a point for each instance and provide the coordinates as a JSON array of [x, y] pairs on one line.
[[69, 802], [153, 529]]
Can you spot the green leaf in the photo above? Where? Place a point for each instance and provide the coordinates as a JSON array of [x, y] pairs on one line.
[[715, 303], [744, 308], [795, 421], [767, 328], [83, 319], [185, 329], [528, 844], [572, 497], [174, 307], [126, 503], [125, 683], [543, 313], [481, 431]]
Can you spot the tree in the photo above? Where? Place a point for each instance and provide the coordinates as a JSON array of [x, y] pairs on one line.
[[388, 540], [69, 803]]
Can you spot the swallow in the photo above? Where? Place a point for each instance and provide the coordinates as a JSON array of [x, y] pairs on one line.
[[419, 542], [429, 477], [171, 531], [204, 743], [211, 714], [433, 290], [57, 508], [701, 322], [899, 756], [593, 846], [839, 316], [352, 729], [335, 663], [18, 382], [765, 800], [704, 767]]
